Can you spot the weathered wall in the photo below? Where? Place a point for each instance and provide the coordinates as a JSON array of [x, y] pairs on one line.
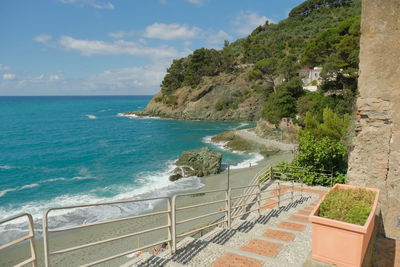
[[375, 160]]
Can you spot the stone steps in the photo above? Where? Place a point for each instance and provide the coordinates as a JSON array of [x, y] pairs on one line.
[[279, 236]]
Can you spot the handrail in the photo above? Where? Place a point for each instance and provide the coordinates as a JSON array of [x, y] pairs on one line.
[[175, 209], [247, 201], [30, 236], [47, 231]]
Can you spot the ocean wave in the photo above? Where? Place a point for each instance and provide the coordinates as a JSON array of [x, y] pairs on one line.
[[147, 185], [68, 179], [253, 161], [6, 167], [92, 117], [220, 145], [28, 186], [241, 126], [3, 192], [134, 116]]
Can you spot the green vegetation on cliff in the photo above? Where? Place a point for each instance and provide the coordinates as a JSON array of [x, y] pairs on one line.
[[321, 33], [317, 33]]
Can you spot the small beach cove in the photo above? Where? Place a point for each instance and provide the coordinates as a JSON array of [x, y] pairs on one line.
[[238, 177], [116, 156]]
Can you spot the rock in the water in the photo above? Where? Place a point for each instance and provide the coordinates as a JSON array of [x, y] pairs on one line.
[[199, 162]]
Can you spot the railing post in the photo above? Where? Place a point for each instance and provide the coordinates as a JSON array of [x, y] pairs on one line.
[[228, 208], [301, 188], [46, 239], [173, 223], [169, 216], [292, 189], [259, 199], [279, 194], [271, 171], [32, 240]]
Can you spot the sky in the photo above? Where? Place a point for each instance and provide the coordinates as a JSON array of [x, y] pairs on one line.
[[115, 47]]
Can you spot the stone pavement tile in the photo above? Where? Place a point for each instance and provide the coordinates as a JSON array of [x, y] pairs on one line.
[[233, 260], [284, 189], [387, 252], [299, 218], [279, 235], [292, 226], [261, 247], [309, 208], [270, 204], [304, 212]]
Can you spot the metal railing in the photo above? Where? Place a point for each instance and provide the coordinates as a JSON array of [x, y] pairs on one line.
[[30, 236], [47, 231], [225, 211], [236, 202]]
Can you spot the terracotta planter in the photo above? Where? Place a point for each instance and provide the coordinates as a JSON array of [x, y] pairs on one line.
[[340, 243]]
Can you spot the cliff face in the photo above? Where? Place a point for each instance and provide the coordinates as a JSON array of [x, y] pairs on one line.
[[221, 98], [375, 160]]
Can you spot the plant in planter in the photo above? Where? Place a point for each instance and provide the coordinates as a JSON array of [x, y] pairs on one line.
[[342, 225]]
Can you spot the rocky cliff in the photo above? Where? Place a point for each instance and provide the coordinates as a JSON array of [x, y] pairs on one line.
[[375, 160], [225, 97]]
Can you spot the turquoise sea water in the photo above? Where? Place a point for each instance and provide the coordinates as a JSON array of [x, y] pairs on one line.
[[57, 151]]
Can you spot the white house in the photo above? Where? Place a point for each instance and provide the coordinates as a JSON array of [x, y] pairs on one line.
[[309, 75]]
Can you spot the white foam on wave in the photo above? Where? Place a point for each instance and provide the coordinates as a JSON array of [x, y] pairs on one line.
[[147, 185], [220, 145], [241, 126], [134, 116], [5, 167], [3, 192], [253, 161], [68, 179], [92, 117], [28, 186]]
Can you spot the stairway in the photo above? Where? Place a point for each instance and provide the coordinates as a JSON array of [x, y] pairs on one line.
[[279, 236]]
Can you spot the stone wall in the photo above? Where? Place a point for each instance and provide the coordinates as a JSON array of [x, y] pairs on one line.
[[375, 160]]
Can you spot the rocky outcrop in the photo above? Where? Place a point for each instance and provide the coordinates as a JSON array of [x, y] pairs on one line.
[[285, 133], [199, 162], [375, 159], [226, 97]]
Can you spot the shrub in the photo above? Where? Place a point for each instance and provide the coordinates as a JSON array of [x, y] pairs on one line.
[[347, 205]]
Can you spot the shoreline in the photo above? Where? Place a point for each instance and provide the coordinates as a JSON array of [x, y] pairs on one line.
[[238, 177]]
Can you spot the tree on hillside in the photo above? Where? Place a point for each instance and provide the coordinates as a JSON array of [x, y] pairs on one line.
[[265, 69]]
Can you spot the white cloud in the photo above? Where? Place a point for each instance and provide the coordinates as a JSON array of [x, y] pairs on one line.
[[120, 47], [120, 34], [55, 77], [195, 2], [143, 79], [247, 21], [171, 31], [218, 37], [42, 38], [8, 76], [3, 67], [133, 80], [93, 3]]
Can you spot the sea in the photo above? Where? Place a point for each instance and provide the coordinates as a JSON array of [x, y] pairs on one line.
[[74, 150]]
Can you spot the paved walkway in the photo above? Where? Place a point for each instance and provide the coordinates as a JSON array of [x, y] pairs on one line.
[[279, 236], [249, 135]]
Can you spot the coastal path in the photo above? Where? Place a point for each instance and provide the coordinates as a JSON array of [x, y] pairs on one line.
[[279, 235]]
